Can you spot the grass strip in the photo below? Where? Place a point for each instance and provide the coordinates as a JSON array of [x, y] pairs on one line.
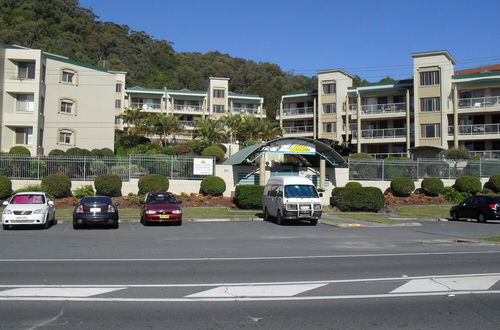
[[491, 238], [424, 211], [188, 212]]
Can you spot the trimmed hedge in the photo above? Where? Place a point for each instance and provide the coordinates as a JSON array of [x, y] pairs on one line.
[[353, 184], [494, 183], [182, 149], [108, 185], [402, 187], [214, 151], [152, 182], [432, 186], [357, 199], [5, 187], [212, 185], [19, 150], [249, 196], [57, 185], [468, 184], [56, 152]]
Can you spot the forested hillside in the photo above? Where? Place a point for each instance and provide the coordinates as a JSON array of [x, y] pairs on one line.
[[63, 27]]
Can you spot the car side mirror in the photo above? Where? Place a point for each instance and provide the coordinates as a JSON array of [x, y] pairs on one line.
[[51, 203], [5, 203], [320, 194]]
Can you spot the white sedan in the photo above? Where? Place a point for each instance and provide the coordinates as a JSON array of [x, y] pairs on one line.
[[29, 208]]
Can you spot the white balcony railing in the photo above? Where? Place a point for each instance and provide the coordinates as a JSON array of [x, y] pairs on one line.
[[370, 109], [475, 129], [353, 108], [298, 111], [479, 102], [146, 106], [245, 111], [382, 133], [188, 123], [487, 154], [188, 108], [298, 129]]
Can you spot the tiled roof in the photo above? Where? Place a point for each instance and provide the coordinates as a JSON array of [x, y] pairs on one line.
[[480, 69]]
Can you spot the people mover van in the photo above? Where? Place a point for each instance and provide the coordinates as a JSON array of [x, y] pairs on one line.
[[291, 198]]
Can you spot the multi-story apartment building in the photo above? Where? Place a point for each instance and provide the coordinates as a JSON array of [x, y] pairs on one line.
[[50, 102], [191, 106], [437, 107]]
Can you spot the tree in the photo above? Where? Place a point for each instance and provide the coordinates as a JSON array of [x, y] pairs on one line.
[[209, 130], [388, 78], [130, 118]]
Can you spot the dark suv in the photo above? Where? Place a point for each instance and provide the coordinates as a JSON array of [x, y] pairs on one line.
[[481, 208]]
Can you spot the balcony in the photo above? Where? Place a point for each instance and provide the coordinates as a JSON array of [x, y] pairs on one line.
[[475, 129], [486, 154], [147, 106], [188, 124], [245, 111], [386, 108], [298, 130], [188, 108], [381, 133], [298, 111], [389, 154], [479, 102]]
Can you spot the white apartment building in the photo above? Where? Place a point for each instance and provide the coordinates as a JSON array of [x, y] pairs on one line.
[[51, 102]]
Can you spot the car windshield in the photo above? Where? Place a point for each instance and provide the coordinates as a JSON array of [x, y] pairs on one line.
[[28, 199], [161, 199], [300, 191], [96, 199]]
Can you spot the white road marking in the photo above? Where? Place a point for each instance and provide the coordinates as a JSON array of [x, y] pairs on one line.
[[448, 284], [287, 290], [55, 292]]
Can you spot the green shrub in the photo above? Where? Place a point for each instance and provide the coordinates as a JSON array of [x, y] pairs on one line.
[[152, 182], [361, 155], [358, 199], [57, 185], [402, 187], [353, 185], [108, 185], [212, 185], [214, 151], [249, 196], [182, 149], [167, 150], [487, 191], [193, 144], [5, 187], [467, 184], [83, 191], [121, 152], [494, 183], [451, 195], [56, 152], [102, 152], [130, 141], [98, 167], [201, 146], [33, 187], [223, 147], [19, 150], [432, 186], [456, 153]]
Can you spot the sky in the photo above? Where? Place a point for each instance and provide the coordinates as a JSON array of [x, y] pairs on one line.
[[372, 39]]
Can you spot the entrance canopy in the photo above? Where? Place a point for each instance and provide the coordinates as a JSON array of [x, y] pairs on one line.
[[287, 145]]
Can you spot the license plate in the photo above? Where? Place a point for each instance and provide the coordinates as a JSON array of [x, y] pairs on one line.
[[304, 207], [22, 218], [164, 216], [95, 209]]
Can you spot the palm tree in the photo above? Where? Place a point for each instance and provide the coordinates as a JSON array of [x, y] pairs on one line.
[[232, 124], [130, 117], [209, 129], [269, 130]]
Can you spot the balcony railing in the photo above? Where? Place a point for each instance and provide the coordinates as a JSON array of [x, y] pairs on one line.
[[476, 129], [479, 102], [245, 111], [146, 106], [188, 123], [381, 133], [487, 154], [370, 109], [298, 129], [389, 154], [298, 111], [188, 108], [353, 108]]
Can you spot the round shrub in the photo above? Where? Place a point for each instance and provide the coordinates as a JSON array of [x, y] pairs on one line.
[[56, 152], [19, 150], [57, 185], [223, 147], [214, 151], [361, 155], [5, 187], [248, 196], [182, 149], [402, 187], [494, 183], [353, 185], [468, 184], [212, 185], [152, 182], [487, 191], [108, 185], [432, 186], [102, 152], [167, 150], [75, 151], [358, 199]]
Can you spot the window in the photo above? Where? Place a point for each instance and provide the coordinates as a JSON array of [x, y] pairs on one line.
[[118, 104], [429, 131], [329, 88], [329, 108], [25, 102], [429, 78], [118, 88], [329, 127], [65, 137], [68, 76], [26, 70], [66, 106], [218, 108], [24, 135], [430, 104], [219, 93]]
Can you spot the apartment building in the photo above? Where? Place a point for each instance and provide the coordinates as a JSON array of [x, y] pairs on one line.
[[51, 102], [190, 106], [437, 107]]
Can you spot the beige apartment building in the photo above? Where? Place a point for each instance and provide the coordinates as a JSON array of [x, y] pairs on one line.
[[51, 102], [438, 107]]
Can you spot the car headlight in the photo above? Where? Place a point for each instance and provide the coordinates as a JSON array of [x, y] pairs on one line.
[[176, 211], [6, 211], [317, 207], [39, 211], [150, 212], [291, 207]]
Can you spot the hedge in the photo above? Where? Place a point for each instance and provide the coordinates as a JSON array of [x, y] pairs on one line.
[[108, 185], [214, 151], [468, 184], [494, 183], [402, 187], [353, 184], [57, 185], [5, 187], [152, 182], [358, 199], [432, 186], [212, 185], [19, 150], [249, 196]]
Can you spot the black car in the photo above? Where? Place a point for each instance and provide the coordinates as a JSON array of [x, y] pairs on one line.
[[481, 208], [95, 210]]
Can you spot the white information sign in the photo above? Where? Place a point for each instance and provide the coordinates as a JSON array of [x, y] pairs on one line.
[[292, 146], [203, 166]]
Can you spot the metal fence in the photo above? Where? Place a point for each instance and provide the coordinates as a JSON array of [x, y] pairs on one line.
[[386, 170], [87, 168]]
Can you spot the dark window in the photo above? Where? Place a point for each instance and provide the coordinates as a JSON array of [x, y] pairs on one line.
[[161, 199], [429, 78], [96, 199]]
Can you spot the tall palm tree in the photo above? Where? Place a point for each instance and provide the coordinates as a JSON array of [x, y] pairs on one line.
[[130, 117], [232, 124], [269, 130], [209, 129]]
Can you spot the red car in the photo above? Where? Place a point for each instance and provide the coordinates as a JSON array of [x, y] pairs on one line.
[[161, 207]]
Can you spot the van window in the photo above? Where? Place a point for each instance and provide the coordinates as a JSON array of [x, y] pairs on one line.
[[299, 190], [272, 191]]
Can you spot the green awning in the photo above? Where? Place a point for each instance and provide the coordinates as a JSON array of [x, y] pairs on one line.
[[379, 91], [241, 156], [479, 82], [240, 100], [145, 95], [298, 99], [188, 97]]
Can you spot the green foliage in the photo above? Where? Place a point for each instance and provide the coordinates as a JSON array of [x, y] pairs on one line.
[[152, 182], [357, 199], [5, 187], [19, 150], [487, 191], [102, 152], [108, 185], [98, 167], [33, 187], [451, 195], [83, 191], [494, 183], [212, 185], [56, 152], [182, 149], [432, 186], [467, 184], [249, 196], [361, 155], [353, 185], [457, 153], [214, 151], [223, 147], [75, 151], [130, 141], [402, 187], [57, 185]]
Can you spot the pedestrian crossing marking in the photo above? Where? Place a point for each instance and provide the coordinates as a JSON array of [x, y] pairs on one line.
[[56, 292], [256, 291], [447, 284]]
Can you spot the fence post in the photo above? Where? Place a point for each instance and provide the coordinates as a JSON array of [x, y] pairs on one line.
[[38, 167], [84, 168], [129, 166], [418, 176], [171, 167], [383, 163], [480, 169]]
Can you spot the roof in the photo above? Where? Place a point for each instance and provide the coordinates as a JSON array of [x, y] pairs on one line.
[[305, 92], [336, 70], [480, 69], [243, 155], [70, 61], [434, 53]]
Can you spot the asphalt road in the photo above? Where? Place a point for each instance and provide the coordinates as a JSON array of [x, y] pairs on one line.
[[227, 275]]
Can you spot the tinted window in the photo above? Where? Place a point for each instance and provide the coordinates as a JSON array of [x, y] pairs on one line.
[[298, 190], [28, 199], [161, 199], [100, 199]]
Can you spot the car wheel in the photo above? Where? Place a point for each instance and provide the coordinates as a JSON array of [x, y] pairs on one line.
[[266, 215], [6, 227], [75, 226], [279, 219], [179, 223], [46, 225], [142, 221], [481, 218], [455, 216], [314, 222], [116, 226]]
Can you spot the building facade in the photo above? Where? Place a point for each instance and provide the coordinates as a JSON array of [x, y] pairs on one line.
[[438, 107], [51, 102]]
